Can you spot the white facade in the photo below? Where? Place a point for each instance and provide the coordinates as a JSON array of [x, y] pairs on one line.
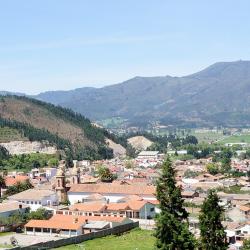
[[148, 155], [75, 197], [37, 202], [244, 230], [50, 172], [53, 232], [9, 208]]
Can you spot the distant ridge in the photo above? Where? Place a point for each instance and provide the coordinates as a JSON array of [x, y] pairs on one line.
[[217, 95]]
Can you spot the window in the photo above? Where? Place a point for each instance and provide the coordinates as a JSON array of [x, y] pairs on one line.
[[152, 209], [27, 202], [35, 202], [40, 202], [31, 202]]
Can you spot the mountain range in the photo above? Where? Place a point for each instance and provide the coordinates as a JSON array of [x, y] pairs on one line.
[[217, 95]]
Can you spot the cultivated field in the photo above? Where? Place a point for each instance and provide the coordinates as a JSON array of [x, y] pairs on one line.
[[236, 139]]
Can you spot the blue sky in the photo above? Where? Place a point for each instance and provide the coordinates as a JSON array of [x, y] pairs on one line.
[[57, 44]]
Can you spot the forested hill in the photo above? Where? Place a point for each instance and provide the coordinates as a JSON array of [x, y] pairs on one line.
[[217, 95], [62, 127]]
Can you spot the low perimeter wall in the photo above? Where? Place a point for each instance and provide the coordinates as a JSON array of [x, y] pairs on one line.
[[80, 238]]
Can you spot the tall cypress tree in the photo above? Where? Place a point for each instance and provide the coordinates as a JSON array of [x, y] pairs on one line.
[[212, 232], [172, 231]]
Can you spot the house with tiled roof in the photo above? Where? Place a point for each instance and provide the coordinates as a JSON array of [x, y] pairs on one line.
[[13, 180], [72, 225], [133, 209], [111, 192], [10, 207], [139, 209], [245, 209], [89, 208]]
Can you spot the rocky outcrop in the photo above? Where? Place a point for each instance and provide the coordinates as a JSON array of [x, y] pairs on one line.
[[27, 147], [139, 142], [118, 150]]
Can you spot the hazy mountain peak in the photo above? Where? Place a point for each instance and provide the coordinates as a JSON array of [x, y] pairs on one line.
[[219, 69]]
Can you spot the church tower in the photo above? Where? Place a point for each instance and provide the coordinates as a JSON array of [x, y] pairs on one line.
[[75, 177], [61, 184]]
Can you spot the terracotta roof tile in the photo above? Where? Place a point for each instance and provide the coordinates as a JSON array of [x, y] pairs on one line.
[[117, 206], [245, 208], [88, 207], [65, 222], [136, 205], [10, 180], [113, 188]]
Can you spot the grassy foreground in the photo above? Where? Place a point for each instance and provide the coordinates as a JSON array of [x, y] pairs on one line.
[[136, 239]]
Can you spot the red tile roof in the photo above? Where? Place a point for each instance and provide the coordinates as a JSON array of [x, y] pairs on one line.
[[65, 222], [70, 222], [10, 180], [88, 207], [113, 188], [136, 205], [117, 206]]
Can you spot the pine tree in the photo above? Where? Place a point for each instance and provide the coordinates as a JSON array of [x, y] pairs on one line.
[[246, 245], [213, 235], [172, 231]]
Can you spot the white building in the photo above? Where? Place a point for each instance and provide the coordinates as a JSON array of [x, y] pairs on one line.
[[11, 207], [50, 172], [36, 198], [72, 225], [179, 152], [149, 155], [111, 192]]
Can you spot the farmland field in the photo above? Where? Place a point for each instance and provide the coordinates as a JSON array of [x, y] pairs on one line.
[[236, 139], [208, 137]]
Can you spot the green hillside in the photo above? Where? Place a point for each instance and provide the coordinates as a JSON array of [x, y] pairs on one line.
[[25, 118], [8, 134]]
